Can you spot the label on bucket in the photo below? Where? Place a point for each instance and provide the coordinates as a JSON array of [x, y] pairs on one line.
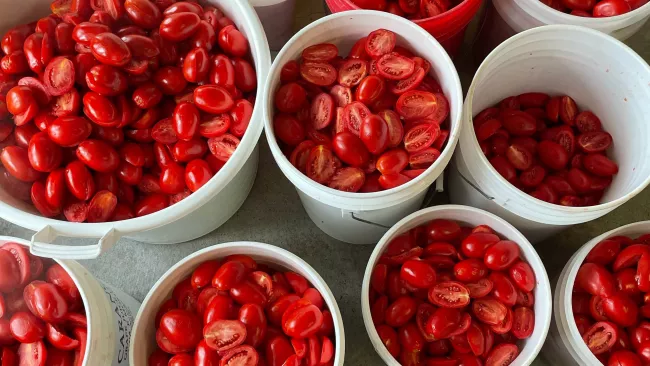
[[124, 308]]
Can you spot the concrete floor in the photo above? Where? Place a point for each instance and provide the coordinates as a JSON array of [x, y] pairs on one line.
[[273, 214]]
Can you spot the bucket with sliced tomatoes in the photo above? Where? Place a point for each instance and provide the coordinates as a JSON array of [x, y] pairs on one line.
[[602, 301], [51, 312], [239, 304], [362, 114], [112, 110], [455, 285]]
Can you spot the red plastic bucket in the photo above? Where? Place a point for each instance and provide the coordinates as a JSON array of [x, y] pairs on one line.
[[448, 28]]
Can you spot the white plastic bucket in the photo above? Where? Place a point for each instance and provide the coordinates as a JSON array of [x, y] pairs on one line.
[[195, 216], [505, 18], [565, 343], [335, 212], [474, 217], [277, 18], [602, 75], [110, 313], [143, 338]]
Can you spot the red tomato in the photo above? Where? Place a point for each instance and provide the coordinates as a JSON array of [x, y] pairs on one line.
[[415, 105], [503, 354], [501, 255], [475, 245], [374, 134], [624, 358], [595, 279], [182, 328], [253, 317], [278, 350], [609, 8], [621, 310], [443, 322], [46, 301], [223, 335], [26, 328], [302, 319], [33, 353], [229, 274], [418, 274], [16, 160], [380, 42], [489, 310], [449, 294], [470, 270], [318, 73], [349, 148], [523, 276], [290, 98], [601, 337], [60, 339]]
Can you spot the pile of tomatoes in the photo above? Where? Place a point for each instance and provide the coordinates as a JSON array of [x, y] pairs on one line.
[[411, 9], [611, 299], [547, 148], [42, 316], [240, 312], [365, 123], [595, 8], [121, 108], [443, 294]]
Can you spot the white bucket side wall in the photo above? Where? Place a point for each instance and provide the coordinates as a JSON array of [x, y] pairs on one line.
[[612, 82], [25, 215], [143, 337], [474, 217], [330, 209]]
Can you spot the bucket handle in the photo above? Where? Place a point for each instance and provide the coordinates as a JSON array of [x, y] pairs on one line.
[[438, 187], [41, 245]]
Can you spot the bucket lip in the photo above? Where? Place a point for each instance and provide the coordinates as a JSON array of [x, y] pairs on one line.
[[571, 274], [296, 175], [249, 247], [603, 37], [521, 241], [262, 59], [643, 10]]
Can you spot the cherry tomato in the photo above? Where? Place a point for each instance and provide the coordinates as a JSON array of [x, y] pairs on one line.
[[601, 337], [232, 41], [609, 8], [182, 328], [253, 317], [595, 279], [501, 255], [46, 302]]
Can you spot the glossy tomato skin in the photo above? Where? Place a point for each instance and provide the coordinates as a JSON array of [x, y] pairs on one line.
[[350, 149], [253, 317]]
